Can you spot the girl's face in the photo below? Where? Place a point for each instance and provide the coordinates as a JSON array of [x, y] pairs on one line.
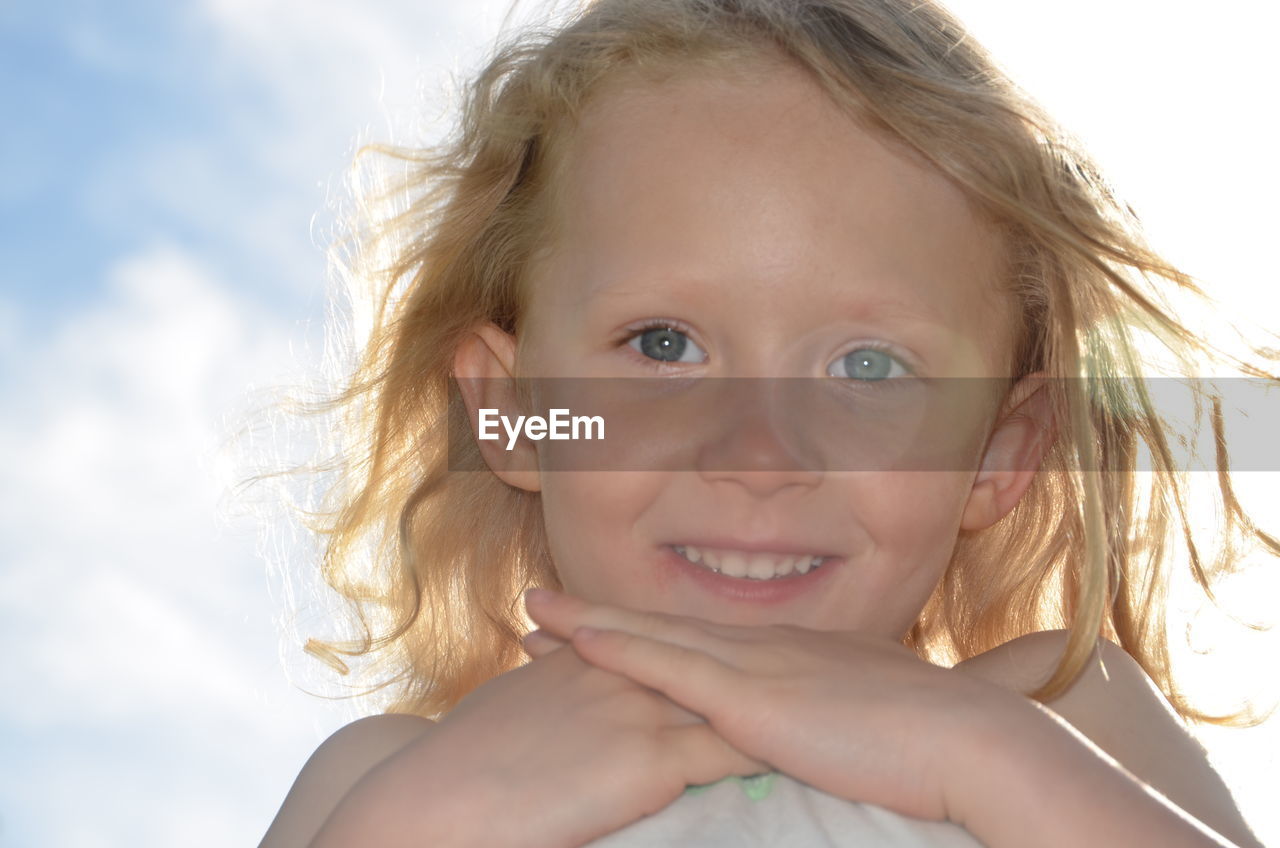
[[776, 237]]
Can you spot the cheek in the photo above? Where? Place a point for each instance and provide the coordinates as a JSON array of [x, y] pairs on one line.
[[591, 520], [914, 520]]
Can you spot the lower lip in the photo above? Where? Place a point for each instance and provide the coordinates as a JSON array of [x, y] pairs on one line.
[[778, 590]]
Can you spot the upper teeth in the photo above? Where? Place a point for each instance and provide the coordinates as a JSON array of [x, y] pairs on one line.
[[759, 566]]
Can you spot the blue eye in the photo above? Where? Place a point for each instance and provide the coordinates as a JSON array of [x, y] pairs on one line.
[[867, 364], [666, 344]]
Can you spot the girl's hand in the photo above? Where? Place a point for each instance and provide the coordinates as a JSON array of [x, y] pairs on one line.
[[858, 716], [559, 752]]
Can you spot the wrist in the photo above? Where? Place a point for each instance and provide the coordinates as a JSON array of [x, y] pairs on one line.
[[988, 745]]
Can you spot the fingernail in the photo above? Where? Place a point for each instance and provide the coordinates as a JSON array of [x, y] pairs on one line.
[[536, 595], [586, 633]]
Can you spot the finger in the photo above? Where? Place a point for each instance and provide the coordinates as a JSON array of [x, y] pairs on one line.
[[561, 614], [695, 680], [539, 643], [703, 756]]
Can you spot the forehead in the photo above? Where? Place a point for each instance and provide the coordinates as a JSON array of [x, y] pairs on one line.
[[760, 178]]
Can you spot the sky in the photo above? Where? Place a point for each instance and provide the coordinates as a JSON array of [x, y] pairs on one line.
[[170, 178]]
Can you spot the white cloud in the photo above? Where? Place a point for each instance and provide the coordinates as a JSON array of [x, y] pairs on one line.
[[385, 69], [336, 61], [122, 394], [136, 624]]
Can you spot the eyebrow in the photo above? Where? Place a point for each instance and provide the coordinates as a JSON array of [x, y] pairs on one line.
[[871, 309], [603, 286]]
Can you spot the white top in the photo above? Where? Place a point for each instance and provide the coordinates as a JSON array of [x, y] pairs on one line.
[[774, 809]]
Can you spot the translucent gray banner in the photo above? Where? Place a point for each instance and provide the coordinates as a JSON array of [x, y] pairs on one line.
[[832, 424]]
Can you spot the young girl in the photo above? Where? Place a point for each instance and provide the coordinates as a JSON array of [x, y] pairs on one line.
[[763, 634]]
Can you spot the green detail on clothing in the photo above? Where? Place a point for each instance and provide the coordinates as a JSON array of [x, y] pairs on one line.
[[757, 787]]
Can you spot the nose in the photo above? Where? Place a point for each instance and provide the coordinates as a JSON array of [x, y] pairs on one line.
[[757, 441]]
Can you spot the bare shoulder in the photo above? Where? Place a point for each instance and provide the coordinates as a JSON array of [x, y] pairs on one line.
[[334, 768], [1121, 710]]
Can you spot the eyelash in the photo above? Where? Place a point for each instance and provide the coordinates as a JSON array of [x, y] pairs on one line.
[[655, 324], [887, 351], [658, 324], [684, 329]]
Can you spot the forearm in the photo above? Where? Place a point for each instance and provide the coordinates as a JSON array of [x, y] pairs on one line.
[[1035, 782]]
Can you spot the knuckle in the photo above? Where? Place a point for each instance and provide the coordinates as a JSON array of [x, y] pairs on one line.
[[653, 625], [676, 628]]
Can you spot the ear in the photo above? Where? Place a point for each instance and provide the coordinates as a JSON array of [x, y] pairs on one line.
[[1024, 432], [484, 366]]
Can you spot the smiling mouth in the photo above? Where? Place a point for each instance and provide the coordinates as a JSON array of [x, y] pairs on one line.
[[751, 565]]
